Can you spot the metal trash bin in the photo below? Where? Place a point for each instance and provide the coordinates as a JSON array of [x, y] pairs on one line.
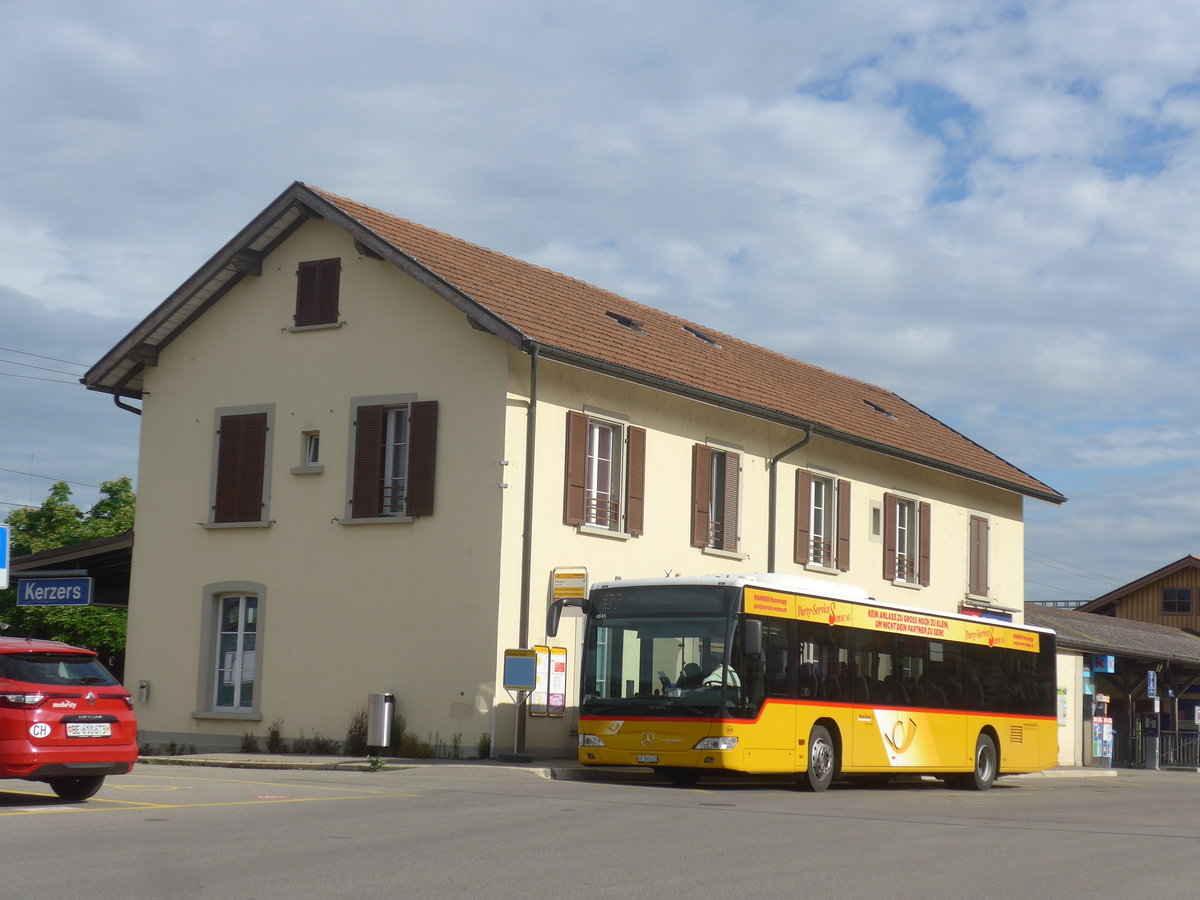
[[380, 707]]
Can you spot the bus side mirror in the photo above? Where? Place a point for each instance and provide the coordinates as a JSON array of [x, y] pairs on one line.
[[751, 637], [554, 613]]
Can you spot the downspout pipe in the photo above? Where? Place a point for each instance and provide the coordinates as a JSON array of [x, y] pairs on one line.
[[125, 406], [534, 351], [772, 502]]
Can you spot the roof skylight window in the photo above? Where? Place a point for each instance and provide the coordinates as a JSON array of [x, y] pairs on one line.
[[879, 409], [627, 322], [707, 338]]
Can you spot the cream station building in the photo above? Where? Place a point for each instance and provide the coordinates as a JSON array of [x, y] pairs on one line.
[[367, 447]]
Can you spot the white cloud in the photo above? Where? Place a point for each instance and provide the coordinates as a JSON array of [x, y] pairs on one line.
[[990, 209]]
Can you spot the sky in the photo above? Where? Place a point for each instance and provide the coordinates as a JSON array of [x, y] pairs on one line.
[[989, 208]]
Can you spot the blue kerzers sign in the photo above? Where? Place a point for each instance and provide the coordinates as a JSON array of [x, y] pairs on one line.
[[54, 592]]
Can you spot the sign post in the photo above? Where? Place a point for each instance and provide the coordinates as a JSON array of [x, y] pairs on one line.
[[3, 557], [520, 675]]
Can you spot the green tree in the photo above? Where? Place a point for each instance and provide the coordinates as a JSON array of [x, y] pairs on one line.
[[58, 523]]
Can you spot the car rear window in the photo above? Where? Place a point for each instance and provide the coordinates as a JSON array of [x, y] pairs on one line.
[[54, 668]]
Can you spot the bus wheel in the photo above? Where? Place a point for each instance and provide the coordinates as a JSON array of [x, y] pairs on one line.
[[678, 777], [984, 775], [822, 760]]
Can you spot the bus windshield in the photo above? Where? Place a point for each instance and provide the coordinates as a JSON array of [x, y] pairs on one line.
[[661, 652]]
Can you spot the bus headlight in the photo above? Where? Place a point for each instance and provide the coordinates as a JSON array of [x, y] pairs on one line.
[[590, 740], [717, 743]]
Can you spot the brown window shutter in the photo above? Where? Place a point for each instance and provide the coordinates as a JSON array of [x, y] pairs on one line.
[[701, 485], [924, 540], [422, 422], [802, 552], [241, 467], [635, 481], [366, 491], [843, 525], [576, 475], [733, 483], [978, 569], [889, 537], [317, 288]]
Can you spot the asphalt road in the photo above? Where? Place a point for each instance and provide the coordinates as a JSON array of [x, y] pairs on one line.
[[468, 831]]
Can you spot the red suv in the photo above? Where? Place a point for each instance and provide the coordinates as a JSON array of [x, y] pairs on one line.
[[64, 719]]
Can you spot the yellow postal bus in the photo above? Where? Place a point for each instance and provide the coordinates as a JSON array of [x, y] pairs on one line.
[[787, 674]]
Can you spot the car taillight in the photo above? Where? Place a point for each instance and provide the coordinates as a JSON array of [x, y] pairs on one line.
[[21, 701]]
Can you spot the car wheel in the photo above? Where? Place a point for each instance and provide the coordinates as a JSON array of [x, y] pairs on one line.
[[74, 788]]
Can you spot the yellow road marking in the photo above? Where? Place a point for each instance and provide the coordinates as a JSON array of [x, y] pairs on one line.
[[133, 805]]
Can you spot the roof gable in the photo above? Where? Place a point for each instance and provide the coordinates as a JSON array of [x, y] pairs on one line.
[[1113, 599], [561, 317]]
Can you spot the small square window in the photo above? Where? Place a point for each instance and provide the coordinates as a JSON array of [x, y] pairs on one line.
[[1177, 601]]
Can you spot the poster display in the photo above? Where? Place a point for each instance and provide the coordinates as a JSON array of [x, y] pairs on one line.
[[538, 700], [557, 700]]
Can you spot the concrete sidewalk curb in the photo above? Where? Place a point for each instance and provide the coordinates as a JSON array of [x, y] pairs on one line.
[[329, 764], [562, 770]]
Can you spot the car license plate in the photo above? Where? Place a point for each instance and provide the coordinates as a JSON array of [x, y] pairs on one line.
[[647, 758], [89, 729]]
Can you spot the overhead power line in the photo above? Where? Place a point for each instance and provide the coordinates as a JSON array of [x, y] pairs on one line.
[[36, 378], [47, 477], [15, 362], [1076, 571], [69, 362]]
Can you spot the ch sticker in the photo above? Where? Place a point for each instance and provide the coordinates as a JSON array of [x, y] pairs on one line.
[[901, 737], [39, 730]]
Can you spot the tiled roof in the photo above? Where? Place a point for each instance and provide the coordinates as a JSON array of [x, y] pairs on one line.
[[562, 312], [576, 322], [1105, 634]]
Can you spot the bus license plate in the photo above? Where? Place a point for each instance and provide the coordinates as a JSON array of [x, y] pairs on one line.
[[89, 729], [647, 758]]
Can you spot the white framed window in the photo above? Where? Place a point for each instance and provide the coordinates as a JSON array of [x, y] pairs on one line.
[[236, 662], [822, 520], [393, 452], [310, 454], [716, 497], [603, 488], [906, 540], [395, 462], [906, 546], [605, 474], [231, 643]]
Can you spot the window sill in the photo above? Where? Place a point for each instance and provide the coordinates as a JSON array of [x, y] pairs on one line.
[[978, 598], [322, 327], [379, 520], [601, 532], [307, 470], [824, 570], [248, 715], [911, 585], [218, 526], [724, 554]]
